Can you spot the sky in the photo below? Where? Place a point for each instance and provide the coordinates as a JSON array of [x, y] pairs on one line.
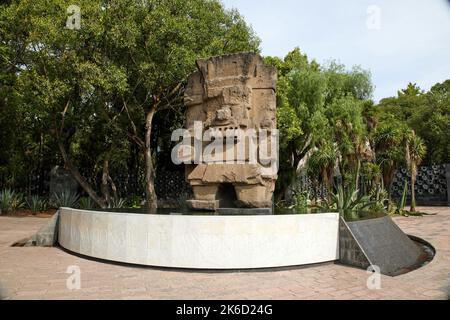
[[398, 41]]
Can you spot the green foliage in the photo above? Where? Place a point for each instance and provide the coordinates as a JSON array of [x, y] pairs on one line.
[[66, 199], [37, 204], [86, 203], [349, 202], [402, 202], [10, 201], [417, 150], [427, 113], [133, 202], [182, 200], [118, 203], [301, 201], [317, 105], [91, 89]]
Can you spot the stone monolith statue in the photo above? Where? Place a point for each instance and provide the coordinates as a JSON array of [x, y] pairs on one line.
[[232, 92]]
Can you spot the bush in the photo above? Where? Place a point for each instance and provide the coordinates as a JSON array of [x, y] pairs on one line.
[[133, 202], [10, 201]]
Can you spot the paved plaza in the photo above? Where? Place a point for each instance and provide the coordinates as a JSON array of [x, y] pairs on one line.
[[41, 273]]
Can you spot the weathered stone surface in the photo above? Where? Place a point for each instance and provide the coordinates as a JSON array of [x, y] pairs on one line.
[[47, 236], [245, 212], [232, 92], [350, 252], [211, 205], [378, 242]]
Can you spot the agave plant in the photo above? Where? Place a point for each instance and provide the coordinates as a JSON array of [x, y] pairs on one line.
[[66, 199], [86, 203], [5, 200], [117, 203], [10, 201], [37, 204], [348, 202], [402, 202]]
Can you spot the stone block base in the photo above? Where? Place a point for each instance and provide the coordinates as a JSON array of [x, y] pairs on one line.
[[211, 205], [245, 212]]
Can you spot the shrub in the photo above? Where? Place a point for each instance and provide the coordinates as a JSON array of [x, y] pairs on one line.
[[133, 202]]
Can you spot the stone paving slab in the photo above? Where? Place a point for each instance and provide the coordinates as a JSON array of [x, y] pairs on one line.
[[40, 273]]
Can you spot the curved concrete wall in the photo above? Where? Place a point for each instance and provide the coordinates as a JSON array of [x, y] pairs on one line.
[[201, 242]]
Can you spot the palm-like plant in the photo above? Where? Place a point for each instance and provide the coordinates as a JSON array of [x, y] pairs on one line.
[[322, 163], [415, 152]]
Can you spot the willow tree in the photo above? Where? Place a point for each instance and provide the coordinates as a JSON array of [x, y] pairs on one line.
[[127, 61]]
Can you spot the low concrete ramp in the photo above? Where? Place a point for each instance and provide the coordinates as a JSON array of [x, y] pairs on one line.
[[377, 242]]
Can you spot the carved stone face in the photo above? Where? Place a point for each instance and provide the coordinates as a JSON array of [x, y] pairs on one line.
[[228, 107]]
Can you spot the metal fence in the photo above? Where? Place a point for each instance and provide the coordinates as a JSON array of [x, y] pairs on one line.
[[432, 187]]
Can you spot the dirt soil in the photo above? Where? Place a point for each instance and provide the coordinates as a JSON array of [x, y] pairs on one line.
[[22, 213]]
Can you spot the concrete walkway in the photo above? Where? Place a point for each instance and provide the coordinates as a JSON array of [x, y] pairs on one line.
[[41, 273]]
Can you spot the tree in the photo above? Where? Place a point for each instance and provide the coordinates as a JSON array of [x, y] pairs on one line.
[[411, 90], [128, 62], [300, 92], [415, 152], [348, 131], [431, 122], [311, 100], [388, 140], [322, 163], [427, 113]]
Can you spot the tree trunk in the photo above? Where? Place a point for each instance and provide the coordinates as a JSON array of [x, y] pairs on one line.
[[413, 183], [105, 187], [76, 174], [113, 188], [358, 170], [151, 198]]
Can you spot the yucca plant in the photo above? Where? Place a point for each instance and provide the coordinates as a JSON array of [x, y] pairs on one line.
[[66, 199], [10, 201], [37, 204]]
